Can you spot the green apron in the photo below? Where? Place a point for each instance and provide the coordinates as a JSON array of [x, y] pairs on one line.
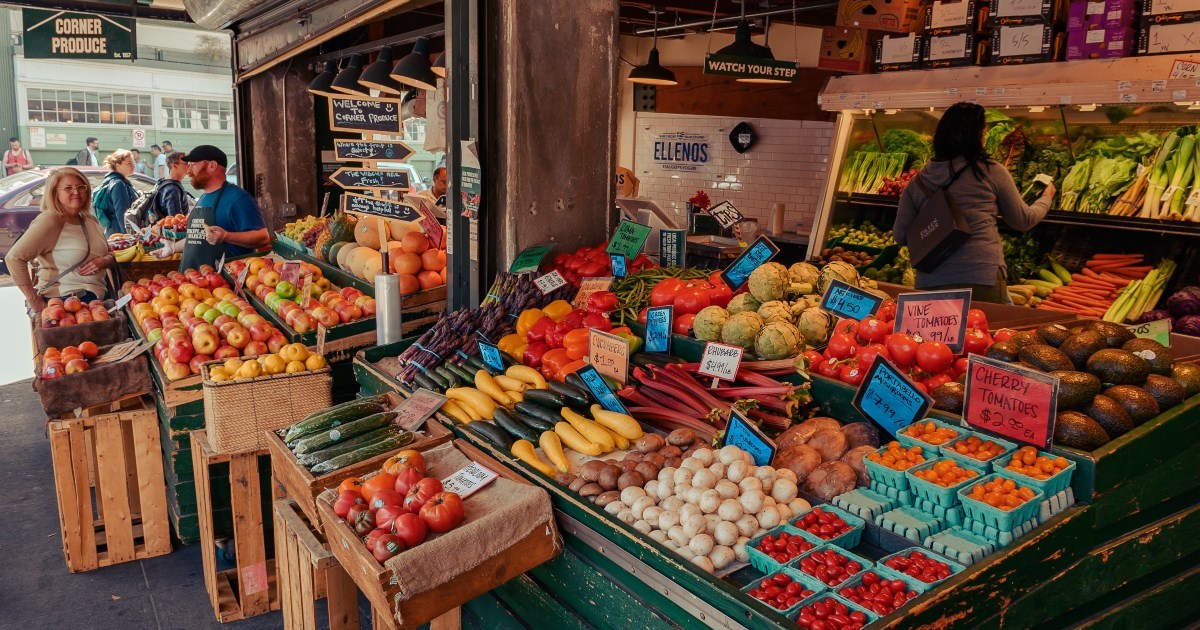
[[196, 248]]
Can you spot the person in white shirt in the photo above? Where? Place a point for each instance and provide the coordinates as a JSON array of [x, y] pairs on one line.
[[87, 155], [160, 162]]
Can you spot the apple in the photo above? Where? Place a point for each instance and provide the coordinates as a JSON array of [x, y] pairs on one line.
[[303, 322], [67, 320], [197, 361], [54, 312], [226, 351], [246, 318], [144, 281], [187, 289], [256, 265], [326, 316], [176, 370], [237, 336], [126, 287], [367, 305], [154, 335], [270, 277], [350, 293], [83, 316], [204, 342], [272, 301], [180, 350], [211, 315], [260, 331], [229, 309], [140, 294], [323, 284], [75, 366], [253, 282], [276, 341], [286, 289], [205, 268], [262, 292], [255, 348], [222, 319], [201, 308], [348, 312]]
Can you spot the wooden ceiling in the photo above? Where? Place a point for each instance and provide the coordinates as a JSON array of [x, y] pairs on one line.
[[638, 15]]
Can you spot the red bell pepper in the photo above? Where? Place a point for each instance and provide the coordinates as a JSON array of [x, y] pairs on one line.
[[555, 337], [602, 302], [537, 332], [599, 321], [533, 354], [575, 318]]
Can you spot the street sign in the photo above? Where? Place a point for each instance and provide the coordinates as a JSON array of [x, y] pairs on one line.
[[371, 150], [367, 178], [365, 115], [53, 34]]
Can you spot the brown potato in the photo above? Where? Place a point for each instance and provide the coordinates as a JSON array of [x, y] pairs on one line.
[[682, 438], [608, 476], [830, 443], [591, 470], [670, 451], [631, 478], [650, 443], [633, 456], [647, 470], [627, 464], [578, 483], [673, 462], [658, 459], [801, 459], [608, 497], [591, 490], [801, 433]]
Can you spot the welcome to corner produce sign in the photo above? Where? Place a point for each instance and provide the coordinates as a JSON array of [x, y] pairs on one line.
[[72, 35]]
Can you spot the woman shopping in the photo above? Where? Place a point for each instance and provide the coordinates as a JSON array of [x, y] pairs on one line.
[[66, 241], [115, 194], [983, 191]]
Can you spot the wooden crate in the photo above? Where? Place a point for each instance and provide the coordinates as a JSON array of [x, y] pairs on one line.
[[308, 571], [302, 486], [108, 476], [250, 589]]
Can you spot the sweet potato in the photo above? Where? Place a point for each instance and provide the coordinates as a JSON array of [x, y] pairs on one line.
[[801, 433], [861, 434], [830, 479], [830, 443], [854, 457], [801, 459]]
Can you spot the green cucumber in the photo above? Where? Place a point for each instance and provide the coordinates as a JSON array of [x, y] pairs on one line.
[[538, 411], [431, 374], [545, 398], [326, 419], [384, 445], [467, 377], [571, 394], [309, 460], [451, 378], [424, 381], [576, 381], [519, 430], [476, 363], [491, 433], [507, 359], [346, 431], [537, 423]]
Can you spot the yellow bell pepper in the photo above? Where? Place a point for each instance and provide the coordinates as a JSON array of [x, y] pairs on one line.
[[557, 310], [508, 343], [526, 320]]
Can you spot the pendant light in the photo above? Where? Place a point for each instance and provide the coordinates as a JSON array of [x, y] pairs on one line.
[[378, 75], [439, 65], [320, 84], [653, 73], [346, 81], [414, 68]]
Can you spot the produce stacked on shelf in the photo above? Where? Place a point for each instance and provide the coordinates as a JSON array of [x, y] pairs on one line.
[[876, 167], [554, 339], [289, 359], [327, 304], [838, 253], [899, 271], [591, 262], [353, 245], [1114, 287], [136, 247], [635, 291], [1164, 190], [1104, 171], [894, 186], [1182, 308], [306, 230], [865, 234], [69, 311], [68, 360], [345, 434]]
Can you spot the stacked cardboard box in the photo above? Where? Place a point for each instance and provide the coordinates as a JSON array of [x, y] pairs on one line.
[[1027, 31], [1169, 26], [952, 33], [1101, 29], [855, 42]]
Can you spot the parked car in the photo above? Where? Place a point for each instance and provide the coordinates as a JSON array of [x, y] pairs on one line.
[[415, 182], [231, 174], [21, 199]]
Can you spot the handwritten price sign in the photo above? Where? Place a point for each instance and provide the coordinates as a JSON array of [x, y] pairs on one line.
[[609, 354], [720, 361], [736, 274], [849, 302], [1011, 401], [936, 316], [889, 398], [1159, 330], [658, 328], [742, 433]]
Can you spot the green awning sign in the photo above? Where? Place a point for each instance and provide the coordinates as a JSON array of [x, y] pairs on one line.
[[74, 35], [751, 67]]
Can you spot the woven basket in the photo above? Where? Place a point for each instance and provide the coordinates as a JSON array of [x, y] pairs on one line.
[[236, 413]]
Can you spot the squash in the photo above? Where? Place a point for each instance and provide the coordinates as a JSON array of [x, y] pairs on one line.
[[366, 233], [343, 256], [358, 258], [372, 266], [341, 227], [332, 250], [397, 228]]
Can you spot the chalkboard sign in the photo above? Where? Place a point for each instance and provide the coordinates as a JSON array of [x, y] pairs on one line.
[[671, 250], [889, 398], [365, 115], [628, 239], [736, 274], [371, 150], [352, 202], [361, 178], [529, 259]]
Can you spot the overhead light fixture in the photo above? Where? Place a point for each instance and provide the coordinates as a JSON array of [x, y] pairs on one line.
[[321, 84], [346, 81], [439, 65], [378, 75], [414, 68], [653, 73]]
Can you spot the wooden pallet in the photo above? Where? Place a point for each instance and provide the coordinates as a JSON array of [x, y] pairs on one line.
[[308, 571], [250, 589], [108, 476]]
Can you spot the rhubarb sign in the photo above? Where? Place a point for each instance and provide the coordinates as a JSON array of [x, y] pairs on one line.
[[751, 68]]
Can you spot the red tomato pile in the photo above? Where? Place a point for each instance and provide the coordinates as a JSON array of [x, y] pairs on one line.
[[591, 262], [397, 508], [688, 297], [878, 595], [784, 547], [830, 614], [920, 566], [780, 591], [824, 524], [829, 566], [854, 345]]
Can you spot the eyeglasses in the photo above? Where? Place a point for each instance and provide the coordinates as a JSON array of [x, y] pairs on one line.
[[78, 189]]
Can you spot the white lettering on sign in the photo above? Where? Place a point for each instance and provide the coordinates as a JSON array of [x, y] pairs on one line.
[[469, 480], [720, 361]]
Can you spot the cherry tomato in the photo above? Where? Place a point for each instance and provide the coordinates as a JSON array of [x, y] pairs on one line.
[[664, 292], [812, 358], [902, 349], [976, 341], [977, 319], [872, 330], [1004, 334], [867, 354], [851, 373], [841, 346], [690, 300], [960, 365], [934, 357], [683, 324]]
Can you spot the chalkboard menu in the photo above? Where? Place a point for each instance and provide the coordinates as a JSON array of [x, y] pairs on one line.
[[358, 178], [379, 207], [365, 115], [371, 150]]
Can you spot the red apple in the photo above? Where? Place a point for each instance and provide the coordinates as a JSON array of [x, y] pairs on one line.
[[226, 327], [237, 336], [205, 342], [260, 330], [197, 361], [222, 320], [276, 341], [176, 370], [75, 366], [255, 348], [262, 291], [226, 351], [303, 322], [180, 350]]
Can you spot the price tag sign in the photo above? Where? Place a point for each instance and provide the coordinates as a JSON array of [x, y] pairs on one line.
[[220, 263], [1011, 401], [290, 272], [742, 433], [322, 331], [550, 282], [306, 290], [935, 316], [469, 480], [889, 398], [125, 299], [529, 259], [849, 302], [658, 328], [618, 265], [1159, 330], [720, 361], [590, 286], [239, 283], [671, 250], [609, 354], [726, 214], [600, 389], [416, 409], [491, 355], [761, 251], [628, 239], [122, 352]]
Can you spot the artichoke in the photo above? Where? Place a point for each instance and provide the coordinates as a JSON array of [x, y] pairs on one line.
[[815, 326], [742, 303], [775, 311], [804, 273], [769, 282], [741, 329], [777, 340], [837, 270], [708, 323]]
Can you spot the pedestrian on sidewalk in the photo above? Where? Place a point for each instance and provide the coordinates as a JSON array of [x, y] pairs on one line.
[[16, 158], [87, 155], [139, 165], [157, 159], [115, 194]]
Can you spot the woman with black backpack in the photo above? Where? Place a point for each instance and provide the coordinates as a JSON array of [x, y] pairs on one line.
[[167, 199]]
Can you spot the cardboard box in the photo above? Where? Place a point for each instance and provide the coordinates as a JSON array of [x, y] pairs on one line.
[[1022, 43], [953, 16], [1015, 12], [1151, 8], [1107, 43], [1089, 15], [949, 50], [896, 16], [844, 49], [898, 52], [1173, 33]]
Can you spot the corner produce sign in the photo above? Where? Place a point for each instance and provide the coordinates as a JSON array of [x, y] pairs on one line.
[[70, 35], [529, 259], [751, 67], [416, 409], [380, 115], [935, 316], [742, 433], [590, 286], [490, 354], [353, 202], [627, 241], [736, 274], [1011, 401], [1159, 330], [658, 328], [550, 282], [849, 302], [726, 214], [889, 398], [608, 354], [720, 361]]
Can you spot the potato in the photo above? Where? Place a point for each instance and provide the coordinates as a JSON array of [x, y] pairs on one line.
[[608, 497], [709, 501], [726, 533], [861, 434], [729, 454], [670, 544], [692, 464], [633, 456], [739, 548], [768, 517], [564, 478], [652, 513], [710, 523], [727, 489], [688, 510], [751, 501], [578, 483], [683, 476], [591, 470], [705, 456], [647, 470], [666, 490], [831, 479], [627, 465], [609, 476], [630, 479], [785, 512], [651, 488], [830, 443], [674, 462], [799, 506], [693, 495], [736, 471], [767, 475], [658, 459], [784, 473], [681, 438], [730, 510], [694, 525], [704, 563], [801, 433], [701, 544], [800, 459], [612, 507], [717, 469], [629, 495], [591, 490], [669, 451], [627, 516], [750, 483], [854, 459], [666, 473], [671, 503], [721, 556], [649, 443], [639, 507]]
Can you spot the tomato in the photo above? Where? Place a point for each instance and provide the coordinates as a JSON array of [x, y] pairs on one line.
[[375, 533], [887, 310], [346, 500], [353, 483], [385, 497], [664, 292], [405, 459], [405, 480], [683, 324], [1004, 334], [977, 319], [715, 278], [382, 481], [690, 300], [976, 341], [850, 373], [386, 547], [386, 514], [720, 295], [901, 348], [829, 367], [443, 512], [872, 330], [867, 354], [960, 365], [420, 493], [845, 326], [934, 357], [920, 385], [933, 382], [841, 346], [410, 528], [812, 359], [642, 316], [364, 522]]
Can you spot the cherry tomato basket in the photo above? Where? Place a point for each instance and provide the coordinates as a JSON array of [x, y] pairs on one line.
[[946, 497], [984, 466], [765, 563], [851, 606], [867, 565], [903, 553], [811, 583], [1050, 487], [914, 585], [1003, 520], [909, 441], [891, 477], [848, 540]]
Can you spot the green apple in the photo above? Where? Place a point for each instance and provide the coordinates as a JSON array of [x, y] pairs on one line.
[[230, 309], [211, 315], [200, 309], [272, 300], [154, 335], [285, 289]]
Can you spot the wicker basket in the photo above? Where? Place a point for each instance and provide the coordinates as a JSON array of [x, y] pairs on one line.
[[236, 413]]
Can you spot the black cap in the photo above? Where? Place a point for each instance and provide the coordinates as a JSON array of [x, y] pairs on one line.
[[207, 152]]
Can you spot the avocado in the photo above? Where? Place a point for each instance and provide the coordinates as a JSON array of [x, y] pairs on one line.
[[1075, 389], [1118, 367], [1045, 358], [949, 397], [1111, 416], [1156, 355], [1077, 430], [1081, 346], [1025, 338], [1054, 334], [1188, 375], [1137, 401], [962, 378], [1166, 390], [1115, 335], [1003, 351]]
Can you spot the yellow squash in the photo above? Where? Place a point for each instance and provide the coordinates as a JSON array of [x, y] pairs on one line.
[[552, 447], [486, 384], [454, 411], [590, 430], [523, 449], [527, 375], [474, 399], [575, 441], [618, 423]]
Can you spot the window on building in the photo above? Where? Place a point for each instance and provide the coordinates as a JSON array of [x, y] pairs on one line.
[[94, 108], [192, 113], [414, 131]]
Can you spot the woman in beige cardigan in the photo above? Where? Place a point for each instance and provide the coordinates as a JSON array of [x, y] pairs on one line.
[[63, 235]]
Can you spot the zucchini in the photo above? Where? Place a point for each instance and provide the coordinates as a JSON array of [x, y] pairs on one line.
[[467, 377], [576, 381], [545, 398], [432, 375], [540, 412], [326, 419], [308, 460], [346, 431], [424, 381], [507, 359], [491, 433], [383, 445], [537, 423], [476, 363], [571, 395], [515, 428], [451, 378]]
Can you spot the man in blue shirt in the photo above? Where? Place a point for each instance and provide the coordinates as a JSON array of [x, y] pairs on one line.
[[226, 219]]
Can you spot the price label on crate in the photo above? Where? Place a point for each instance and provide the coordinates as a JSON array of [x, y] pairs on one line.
[[1011, 401], [1159, 330], [220, 263], [306, 290], [671, 250], [849, 302], [889, 398], [628, 239], [550, 282], [590, 286], [125, 299], [290, 272], [600, 389], [609, 354], [761, 251], [720, 361], [935, 316], [491, 355], [469, 480], [618, 265], [416, 409], [122, 352], [239, 283], [529, 259], [742, 433], [658, 328], [322, 332]]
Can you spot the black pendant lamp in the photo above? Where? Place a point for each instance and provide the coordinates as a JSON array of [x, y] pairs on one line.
[[346, 81], [378, 75], [743, 46], [320, 84], [414, 68], [439, 65], [652, 73]]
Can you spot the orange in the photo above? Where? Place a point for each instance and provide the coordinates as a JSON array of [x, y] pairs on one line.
[[407, 263], [414, 242], [433, 260]]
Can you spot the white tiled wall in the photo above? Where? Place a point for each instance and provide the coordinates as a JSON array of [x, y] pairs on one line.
[[787, 165]]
